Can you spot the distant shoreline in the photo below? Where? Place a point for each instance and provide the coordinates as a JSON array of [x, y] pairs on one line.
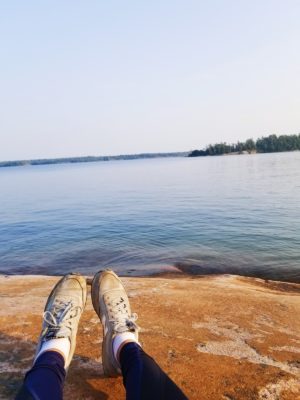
[[269, 144], [85, 159], [89, 159]]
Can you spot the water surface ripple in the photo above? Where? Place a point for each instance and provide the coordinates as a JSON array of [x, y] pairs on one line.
[[229, 214]]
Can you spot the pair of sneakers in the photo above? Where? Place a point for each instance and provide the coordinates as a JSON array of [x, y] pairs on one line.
[[66, 303]]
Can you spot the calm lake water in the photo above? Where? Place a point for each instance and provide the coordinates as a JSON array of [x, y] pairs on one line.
[[229, 214]]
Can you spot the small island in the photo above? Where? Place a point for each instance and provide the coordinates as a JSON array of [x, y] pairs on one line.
[[269, 144]]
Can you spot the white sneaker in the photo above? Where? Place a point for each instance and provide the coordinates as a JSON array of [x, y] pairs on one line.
[[111, 303], [62, 312]]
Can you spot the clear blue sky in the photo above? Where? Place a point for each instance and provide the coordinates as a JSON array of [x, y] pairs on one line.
[[115, 77]]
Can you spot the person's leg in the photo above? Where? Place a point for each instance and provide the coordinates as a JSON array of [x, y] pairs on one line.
[[57, 341], [46, 378], [143, 378], [121, 352]]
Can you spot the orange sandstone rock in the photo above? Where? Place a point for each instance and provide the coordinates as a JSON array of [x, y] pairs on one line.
[[218, 337]]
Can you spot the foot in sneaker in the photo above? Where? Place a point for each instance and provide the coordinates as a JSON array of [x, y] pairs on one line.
[[61, 316], [111, 303]]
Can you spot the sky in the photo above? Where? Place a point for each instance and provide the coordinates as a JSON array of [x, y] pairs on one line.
[[120, 77]]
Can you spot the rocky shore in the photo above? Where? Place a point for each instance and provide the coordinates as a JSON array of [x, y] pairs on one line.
[[218, 337]]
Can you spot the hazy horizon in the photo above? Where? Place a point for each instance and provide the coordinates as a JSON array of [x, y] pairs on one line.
[[109, 79], [96, 155]]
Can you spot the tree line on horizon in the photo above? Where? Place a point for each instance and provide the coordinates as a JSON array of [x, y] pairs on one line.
[[269, 144], [84, 159]]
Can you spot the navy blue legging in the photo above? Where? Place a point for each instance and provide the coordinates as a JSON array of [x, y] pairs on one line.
[[142, 377]]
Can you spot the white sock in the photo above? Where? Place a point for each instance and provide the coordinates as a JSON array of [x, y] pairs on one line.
[[62, 345], [120, 339]]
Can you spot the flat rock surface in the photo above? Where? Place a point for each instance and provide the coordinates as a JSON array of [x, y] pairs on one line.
[[218, 337]]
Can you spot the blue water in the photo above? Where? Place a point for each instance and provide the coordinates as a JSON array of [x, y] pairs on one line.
[[229, 214]]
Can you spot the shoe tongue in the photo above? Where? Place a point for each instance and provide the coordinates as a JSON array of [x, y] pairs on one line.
[[59, 313]]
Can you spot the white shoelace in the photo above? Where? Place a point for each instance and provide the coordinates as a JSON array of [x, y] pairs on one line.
[[122, 322], [59, 321]]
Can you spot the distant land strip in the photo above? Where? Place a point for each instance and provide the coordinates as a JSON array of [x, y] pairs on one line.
[[84, 159], [269, 144]]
